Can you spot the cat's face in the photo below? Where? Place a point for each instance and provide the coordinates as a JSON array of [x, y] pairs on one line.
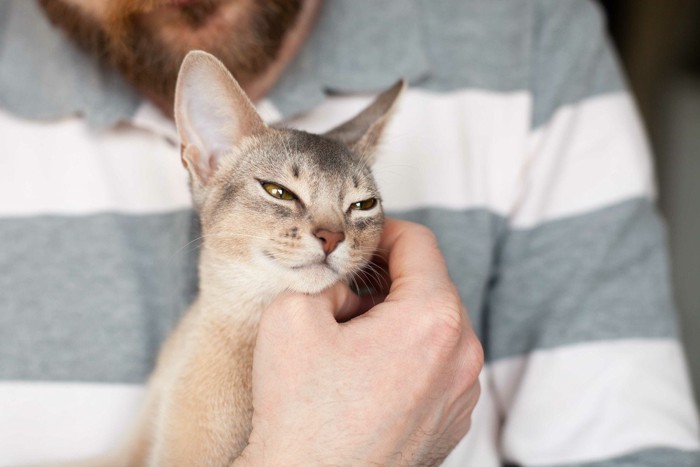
[[299, 211]]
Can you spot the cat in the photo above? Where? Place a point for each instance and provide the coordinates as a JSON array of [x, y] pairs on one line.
[[280, 210]]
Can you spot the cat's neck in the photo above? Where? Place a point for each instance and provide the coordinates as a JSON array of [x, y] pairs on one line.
[[232, 289]]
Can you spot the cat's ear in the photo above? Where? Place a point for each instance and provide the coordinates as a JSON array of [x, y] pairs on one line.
[[363, 132], [212, 113]]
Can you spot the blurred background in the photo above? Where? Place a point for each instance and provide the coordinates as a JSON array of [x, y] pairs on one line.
[[659, 45]]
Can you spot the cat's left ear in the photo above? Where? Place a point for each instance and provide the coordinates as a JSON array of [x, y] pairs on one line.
[[363, 132], [212, 114]]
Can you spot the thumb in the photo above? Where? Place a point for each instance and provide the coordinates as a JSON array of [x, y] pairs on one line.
[[342, 303], [335, 304]]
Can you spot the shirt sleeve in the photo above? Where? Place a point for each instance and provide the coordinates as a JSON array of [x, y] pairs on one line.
[[585, 359]]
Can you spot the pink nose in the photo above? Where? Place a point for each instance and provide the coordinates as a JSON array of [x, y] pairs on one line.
[[329, 240]]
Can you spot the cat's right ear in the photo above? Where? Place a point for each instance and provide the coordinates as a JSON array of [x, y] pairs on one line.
[[212, 114]]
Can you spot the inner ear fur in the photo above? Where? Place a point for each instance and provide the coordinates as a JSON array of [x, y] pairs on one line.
[[363, 132], [212, 114]]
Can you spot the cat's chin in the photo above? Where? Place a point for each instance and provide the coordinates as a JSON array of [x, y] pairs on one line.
[[312, 279]]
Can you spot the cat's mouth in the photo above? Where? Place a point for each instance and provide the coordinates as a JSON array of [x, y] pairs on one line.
[[317, 264], [308, 276], [311, 276], [314, 265]]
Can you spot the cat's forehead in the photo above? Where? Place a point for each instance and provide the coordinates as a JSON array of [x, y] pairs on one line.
[[308, 151]]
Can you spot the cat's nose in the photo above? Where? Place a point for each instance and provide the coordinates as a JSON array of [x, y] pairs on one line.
[[329, 240]]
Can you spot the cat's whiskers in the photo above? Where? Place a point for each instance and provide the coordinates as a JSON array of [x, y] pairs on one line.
[[188, 244], [367, 249], [377, 274], [367, 252], [202, 237], [373, 264], [366, 286], [234, 235]]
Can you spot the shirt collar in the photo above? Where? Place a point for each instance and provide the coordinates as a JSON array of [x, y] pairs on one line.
[[45, 76]]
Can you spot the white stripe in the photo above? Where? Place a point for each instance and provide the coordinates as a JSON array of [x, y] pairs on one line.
[[43, 422], [455, 150], [572, 404], [473, 149], [590, 155], [459, 150], [66, 168], [595, 401], [480, 446], [149, 117]]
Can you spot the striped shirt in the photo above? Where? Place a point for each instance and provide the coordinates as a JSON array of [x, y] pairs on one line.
[[517, 143]]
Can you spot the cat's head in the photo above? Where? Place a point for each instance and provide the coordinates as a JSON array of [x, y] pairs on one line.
[[297, 209]]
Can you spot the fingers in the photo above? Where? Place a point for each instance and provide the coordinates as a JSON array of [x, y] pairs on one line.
[[345, 304], [327, 308], [416, 266], [421, 286]]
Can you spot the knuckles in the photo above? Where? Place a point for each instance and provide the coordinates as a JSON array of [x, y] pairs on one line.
[[442, 317], [441, 328], [444, 334], [473, 361]]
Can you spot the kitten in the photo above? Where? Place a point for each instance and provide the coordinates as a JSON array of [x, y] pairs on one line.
[[280, 210]]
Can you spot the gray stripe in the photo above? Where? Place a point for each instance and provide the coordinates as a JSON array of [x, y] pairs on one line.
[[468, 241], [602, 275], [597, 276], [573, 58], [44, 76], [556, 50], [365, 45], [91, 298], [658, 457]]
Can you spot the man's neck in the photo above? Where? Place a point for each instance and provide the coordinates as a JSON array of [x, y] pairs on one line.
[[259, 87], [291, 46]]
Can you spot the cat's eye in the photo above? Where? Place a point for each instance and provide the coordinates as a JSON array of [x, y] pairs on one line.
[[364, 205], [278, 191]]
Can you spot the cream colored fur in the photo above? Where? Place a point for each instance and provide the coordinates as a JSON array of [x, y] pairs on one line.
[[198, 406]]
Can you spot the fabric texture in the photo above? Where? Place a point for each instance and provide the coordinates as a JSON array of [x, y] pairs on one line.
[[517, 143]]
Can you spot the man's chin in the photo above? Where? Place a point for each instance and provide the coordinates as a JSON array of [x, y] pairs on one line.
[[149, 52]]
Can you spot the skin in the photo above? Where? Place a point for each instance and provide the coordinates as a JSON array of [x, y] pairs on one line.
[[398, 384], [368, 391]]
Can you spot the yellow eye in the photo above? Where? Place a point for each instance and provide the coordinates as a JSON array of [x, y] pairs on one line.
[[364, 205], [279, 192]]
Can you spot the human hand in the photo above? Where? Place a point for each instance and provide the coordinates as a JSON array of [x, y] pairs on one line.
[[393, 386]]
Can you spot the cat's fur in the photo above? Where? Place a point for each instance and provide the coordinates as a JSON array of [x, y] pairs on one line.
[[198, 407]]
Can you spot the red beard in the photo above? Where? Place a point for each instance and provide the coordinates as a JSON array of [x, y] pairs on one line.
[[147, 39]]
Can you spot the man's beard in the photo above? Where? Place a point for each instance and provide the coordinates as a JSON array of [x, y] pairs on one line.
[[128, 40]]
